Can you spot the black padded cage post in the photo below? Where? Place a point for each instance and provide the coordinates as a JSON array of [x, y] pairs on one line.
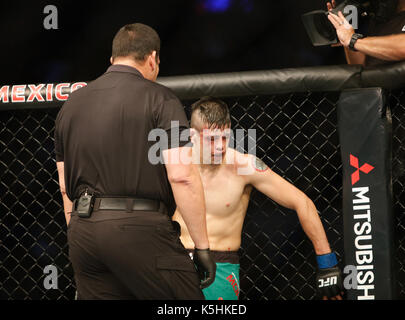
[[294, 114], [365, 132]]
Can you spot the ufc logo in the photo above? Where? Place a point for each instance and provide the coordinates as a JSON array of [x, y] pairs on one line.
[[327, 282]]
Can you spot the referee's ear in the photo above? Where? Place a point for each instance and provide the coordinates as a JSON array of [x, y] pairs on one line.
[[153, 61], [151, 66], [111, 60]]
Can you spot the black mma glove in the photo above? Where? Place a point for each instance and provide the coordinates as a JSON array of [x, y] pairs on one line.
[[329, 280], [206, 267]]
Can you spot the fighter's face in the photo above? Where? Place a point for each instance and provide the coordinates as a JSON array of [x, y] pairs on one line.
[[213, 144]]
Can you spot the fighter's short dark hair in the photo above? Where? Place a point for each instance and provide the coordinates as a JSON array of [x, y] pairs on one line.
[[212, 111], [135, 40]]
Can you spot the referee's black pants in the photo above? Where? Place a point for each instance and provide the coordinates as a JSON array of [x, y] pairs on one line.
[[130, 255]]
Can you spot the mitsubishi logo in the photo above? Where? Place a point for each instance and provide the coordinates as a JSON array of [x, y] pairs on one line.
[[365, 168]]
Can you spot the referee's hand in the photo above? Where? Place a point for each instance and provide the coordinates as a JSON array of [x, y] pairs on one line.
[[206, 267]]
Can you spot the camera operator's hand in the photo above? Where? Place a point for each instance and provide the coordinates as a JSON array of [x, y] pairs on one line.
[[331, 5], [343, 28], [352, 57]]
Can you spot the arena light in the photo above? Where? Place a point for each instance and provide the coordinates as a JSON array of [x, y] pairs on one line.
[[216, 6]]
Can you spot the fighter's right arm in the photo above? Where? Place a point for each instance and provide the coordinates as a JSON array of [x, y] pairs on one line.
[[189, 196], [188, 193]]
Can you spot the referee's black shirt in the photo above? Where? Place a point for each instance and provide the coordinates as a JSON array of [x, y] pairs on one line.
[[101, 135]]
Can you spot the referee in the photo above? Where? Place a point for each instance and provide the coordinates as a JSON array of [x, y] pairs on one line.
[[118, 205]]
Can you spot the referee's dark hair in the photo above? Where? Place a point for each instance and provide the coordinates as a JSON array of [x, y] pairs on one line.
[[135, 40], [210, 111]]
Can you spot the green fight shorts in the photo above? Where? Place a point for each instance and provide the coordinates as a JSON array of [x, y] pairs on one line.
[[226, 284]]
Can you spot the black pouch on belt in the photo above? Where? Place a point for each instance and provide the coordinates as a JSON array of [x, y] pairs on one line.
[[85, 206]]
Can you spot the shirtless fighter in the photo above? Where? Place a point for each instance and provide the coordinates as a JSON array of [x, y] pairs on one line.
[[227, 190]]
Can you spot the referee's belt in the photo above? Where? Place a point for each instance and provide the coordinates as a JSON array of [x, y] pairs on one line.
[[126, 204]]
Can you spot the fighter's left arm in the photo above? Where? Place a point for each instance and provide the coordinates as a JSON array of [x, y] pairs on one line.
[[329, 277], [287, 195]]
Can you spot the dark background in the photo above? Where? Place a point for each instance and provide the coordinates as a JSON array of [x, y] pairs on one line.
[[198, 36]]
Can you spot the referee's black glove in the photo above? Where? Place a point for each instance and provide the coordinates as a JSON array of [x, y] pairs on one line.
[[206, 267], [329, 280]]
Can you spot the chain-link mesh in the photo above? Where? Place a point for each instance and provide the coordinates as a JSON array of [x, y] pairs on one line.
[[296, 136], [397, 104]]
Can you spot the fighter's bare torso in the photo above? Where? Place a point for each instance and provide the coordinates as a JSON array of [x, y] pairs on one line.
[[227, 197]]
